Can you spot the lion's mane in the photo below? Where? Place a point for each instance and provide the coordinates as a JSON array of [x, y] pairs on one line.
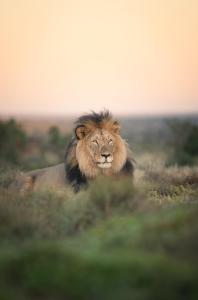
[[123, 165]]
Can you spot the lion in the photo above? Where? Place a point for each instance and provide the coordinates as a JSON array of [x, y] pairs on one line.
[[96, 148]]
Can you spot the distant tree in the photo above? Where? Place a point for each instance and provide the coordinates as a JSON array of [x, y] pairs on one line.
[[54, 135], [184, 142], [57, 141], [191, 144], [12, 141]]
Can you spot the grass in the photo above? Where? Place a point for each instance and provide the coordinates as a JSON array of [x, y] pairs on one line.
[[111, 241]]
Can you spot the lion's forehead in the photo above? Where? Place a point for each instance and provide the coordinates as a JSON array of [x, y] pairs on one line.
[[101, 135]]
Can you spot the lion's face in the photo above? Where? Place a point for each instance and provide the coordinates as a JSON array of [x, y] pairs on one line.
[[100, 150], [101, 147]]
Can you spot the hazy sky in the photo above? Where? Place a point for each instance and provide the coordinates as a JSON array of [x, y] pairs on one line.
[[66, 56]]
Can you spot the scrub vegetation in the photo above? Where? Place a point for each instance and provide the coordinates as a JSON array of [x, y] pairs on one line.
[[114, 240]]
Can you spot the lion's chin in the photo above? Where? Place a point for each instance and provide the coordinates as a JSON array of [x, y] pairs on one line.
[[105, 165]]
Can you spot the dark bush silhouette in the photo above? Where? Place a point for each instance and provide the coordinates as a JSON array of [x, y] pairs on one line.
[[12, 141], [184, 142]]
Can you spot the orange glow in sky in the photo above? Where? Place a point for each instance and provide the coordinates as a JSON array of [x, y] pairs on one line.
[[131, 56]]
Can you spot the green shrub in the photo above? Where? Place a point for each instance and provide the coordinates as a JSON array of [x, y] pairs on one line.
[[112, 241], [184, 142], [12, 142]]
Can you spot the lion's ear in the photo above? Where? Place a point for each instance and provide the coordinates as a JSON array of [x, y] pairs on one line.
[[80, 131], [116, 127]]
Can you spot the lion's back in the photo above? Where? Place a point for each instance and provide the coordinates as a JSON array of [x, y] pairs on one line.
[[47, 178], [50, 177]]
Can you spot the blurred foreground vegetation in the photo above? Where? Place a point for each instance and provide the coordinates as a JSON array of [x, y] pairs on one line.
[[114, 240]]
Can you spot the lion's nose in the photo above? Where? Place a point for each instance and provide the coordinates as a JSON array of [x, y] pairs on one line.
[[105, 155]]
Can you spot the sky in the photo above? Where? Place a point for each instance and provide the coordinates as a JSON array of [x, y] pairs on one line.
[[60, 57]]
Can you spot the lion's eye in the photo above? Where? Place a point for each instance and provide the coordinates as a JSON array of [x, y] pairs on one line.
[[95, 142], [110, 142]]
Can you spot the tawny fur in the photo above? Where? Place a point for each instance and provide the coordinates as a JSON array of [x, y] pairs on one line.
[[89, 167]]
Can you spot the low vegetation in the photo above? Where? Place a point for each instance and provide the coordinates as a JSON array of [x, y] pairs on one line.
[[115, 240], [111, 241]]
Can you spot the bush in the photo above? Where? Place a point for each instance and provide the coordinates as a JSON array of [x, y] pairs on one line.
[[12, 142], [109, 241], [184, 142], [57, 141], [145, 255]]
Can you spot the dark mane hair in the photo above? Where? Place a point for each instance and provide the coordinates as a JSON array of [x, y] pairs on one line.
[[73, 174], [96, 118]]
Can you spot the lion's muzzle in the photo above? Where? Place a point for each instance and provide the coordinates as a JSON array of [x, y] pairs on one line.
[[105, 161]]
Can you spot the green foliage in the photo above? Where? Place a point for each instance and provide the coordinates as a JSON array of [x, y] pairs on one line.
[[56, 139], [191, 143], [184, 142], [110, 241], [12, 141], [55, 214]]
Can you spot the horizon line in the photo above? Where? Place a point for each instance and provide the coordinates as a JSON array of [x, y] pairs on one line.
[[73, 115]]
